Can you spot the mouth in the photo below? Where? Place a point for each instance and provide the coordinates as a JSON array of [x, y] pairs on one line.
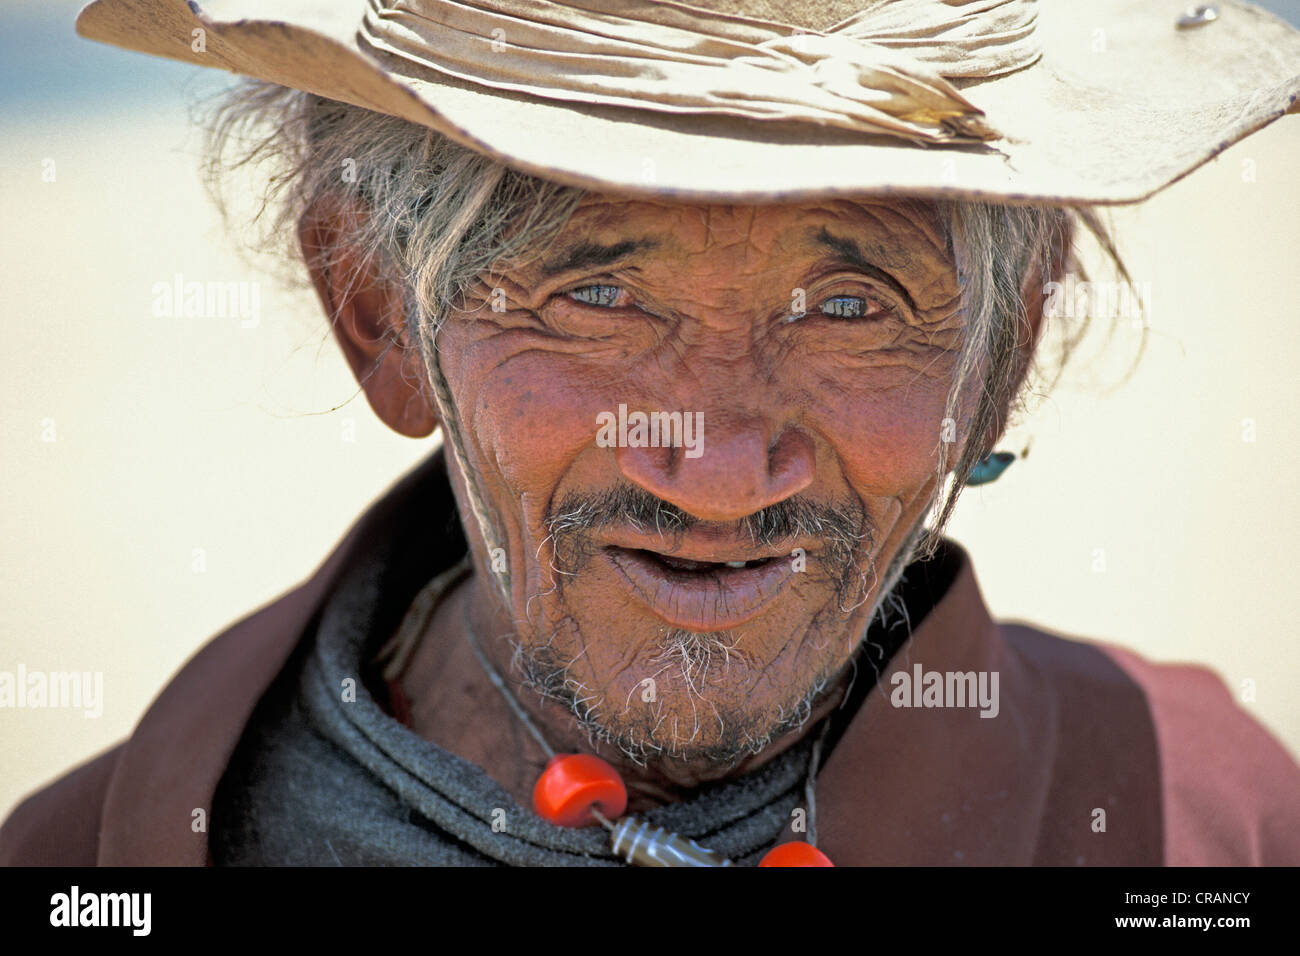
[[701, 595]]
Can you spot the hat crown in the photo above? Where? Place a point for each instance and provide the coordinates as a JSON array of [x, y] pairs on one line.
[[884, 70], [806, 14]]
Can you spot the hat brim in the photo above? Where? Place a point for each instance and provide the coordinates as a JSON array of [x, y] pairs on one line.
[[1121, 104]]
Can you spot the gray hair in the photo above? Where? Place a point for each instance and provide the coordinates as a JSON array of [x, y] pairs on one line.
[[441, 215]]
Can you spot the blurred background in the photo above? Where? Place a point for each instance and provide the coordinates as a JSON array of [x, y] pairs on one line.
[[165, 475]]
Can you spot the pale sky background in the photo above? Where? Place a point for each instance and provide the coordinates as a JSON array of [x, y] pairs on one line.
[[181, 444]]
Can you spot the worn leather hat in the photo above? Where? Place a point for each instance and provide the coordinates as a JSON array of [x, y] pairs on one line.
[[1061, 101]]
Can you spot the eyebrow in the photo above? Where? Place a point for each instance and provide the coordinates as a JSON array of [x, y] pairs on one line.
[[852, 253], [586, 254]]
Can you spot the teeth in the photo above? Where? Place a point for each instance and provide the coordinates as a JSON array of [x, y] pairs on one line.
[[735, 564]]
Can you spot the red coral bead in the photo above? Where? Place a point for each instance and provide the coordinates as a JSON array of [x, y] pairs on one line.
[[795, 853], [572, 784]]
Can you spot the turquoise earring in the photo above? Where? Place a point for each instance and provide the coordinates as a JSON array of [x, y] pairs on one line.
[[990, 467]]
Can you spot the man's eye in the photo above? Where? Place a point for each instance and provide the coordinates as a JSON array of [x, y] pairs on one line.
[[845, 307], [599, 295]]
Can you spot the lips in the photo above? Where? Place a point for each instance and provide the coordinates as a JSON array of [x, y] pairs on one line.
[[701, 595]]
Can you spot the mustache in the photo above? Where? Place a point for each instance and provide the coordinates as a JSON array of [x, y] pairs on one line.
[[842, 529]]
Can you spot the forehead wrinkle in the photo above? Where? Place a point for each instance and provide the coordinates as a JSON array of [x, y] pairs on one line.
[[730, 212]]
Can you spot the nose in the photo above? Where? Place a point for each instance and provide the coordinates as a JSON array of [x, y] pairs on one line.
[[742, 468]]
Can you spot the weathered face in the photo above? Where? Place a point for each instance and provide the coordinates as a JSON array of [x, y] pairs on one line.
[[791, 363]]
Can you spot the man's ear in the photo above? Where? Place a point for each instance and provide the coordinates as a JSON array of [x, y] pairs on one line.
[[367, 314]]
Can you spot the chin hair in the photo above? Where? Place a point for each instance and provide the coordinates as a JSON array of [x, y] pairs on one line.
[[691, 664]]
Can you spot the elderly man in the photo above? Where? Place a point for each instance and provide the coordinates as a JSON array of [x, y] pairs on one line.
[[674, 590]]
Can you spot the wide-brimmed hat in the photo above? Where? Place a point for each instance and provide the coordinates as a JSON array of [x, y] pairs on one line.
[[1061, 101]]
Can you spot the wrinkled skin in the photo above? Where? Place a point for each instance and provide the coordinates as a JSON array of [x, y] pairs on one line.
[[837, 410]]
